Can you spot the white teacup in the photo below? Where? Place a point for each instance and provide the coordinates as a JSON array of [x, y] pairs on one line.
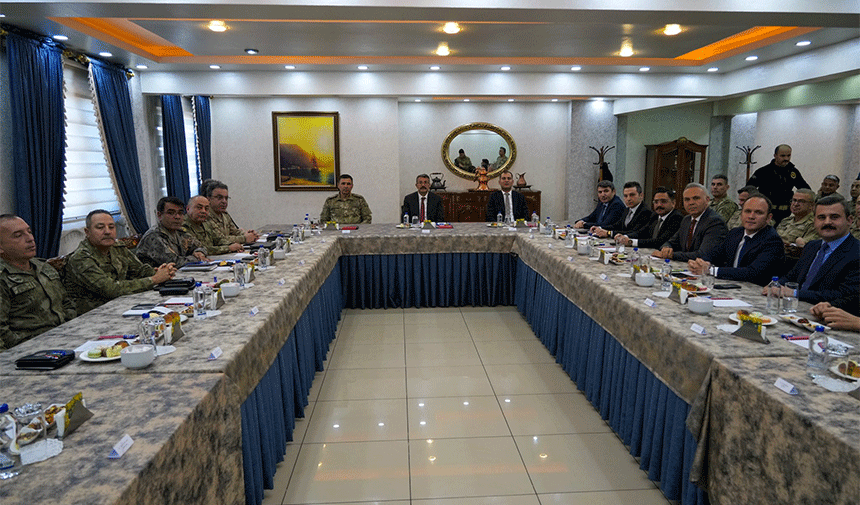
[[230, 289], [279, 254], [645, 279], [137, 356], [700, 305]]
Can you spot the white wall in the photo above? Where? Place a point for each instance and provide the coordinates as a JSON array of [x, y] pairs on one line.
[[817, 136], [540, 130], [243, 156]]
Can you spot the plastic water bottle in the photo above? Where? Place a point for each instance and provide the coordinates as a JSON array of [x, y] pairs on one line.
[[263, 256], [405, 219], [500, 218], [644, 262], [818, 357], [307, 222], [147, 332], [773, 296], [634, 261], [535, 219], [239, 273], [199, 300], [279, 242], [666, 276]]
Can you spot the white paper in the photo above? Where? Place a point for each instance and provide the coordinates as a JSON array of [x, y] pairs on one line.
[[661, 294], [160, 310], [41, 450], [422, 231], [805, 343], [730, 303], [346, 232], [179, 300]]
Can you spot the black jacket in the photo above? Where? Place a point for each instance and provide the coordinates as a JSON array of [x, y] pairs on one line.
[[762, 259], [435, 212], [496, 204]]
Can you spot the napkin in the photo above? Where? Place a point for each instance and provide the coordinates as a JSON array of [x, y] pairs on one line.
[[732, 302]]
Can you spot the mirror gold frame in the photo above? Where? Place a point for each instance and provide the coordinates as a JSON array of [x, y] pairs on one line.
[[446, 148]]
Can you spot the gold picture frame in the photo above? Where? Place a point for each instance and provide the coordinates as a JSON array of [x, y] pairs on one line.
[[306, 150], [479, 127]]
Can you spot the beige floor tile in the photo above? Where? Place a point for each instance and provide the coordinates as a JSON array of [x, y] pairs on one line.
[[513, 352], [302, 424], [510, 328], [275, 495], [316, 385], [433, 317], [452, 331], [637, 497], [448, 468], [529, 379], [580, 462], [372, 317], [355, 471], [551, 414], [447, 381], [431, 310], [364, 384], [441, 354], [357, 421], [467, 416], [482, 500], [358, 333], [489, 310], [368, 356]]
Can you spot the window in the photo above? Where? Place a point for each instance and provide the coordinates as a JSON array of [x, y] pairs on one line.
[[88, 184], [190, 146]]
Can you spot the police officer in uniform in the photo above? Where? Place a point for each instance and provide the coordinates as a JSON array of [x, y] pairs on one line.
[[777, 180], [345, 207]]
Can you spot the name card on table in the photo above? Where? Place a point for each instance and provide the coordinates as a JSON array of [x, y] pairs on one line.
[[785, 386], [570, 258], [281, 281], [604, 277], [121, 447], [697, 328], [651, 303], [425, 231], [254, 311], [215, 354], [346, 232]]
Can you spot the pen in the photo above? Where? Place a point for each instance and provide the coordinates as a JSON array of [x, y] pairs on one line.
[[797, 337], [109, 337]]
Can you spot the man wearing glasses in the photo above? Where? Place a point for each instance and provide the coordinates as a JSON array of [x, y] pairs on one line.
[[798, 228], [167, 242], [225, 227]]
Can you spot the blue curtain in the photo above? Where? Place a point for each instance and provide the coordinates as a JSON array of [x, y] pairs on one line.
[[38, 127], [175, 158], [112, 92], [204, 137]]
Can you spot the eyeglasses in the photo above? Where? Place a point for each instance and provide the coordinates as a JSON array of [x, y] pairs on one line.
[[795, 200]]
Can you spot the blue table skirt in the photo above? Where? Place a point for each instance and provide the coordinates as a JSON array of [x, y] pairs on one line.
[[643, 411]]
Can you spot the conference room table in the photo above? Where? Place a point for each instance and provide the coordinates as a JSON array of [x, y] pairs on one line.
[[212, 430]]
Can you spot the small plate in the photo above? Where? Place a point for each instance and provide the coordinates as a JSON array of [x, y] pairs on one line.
[[94, 344], [810, 325], [836, 372], [770, 321]]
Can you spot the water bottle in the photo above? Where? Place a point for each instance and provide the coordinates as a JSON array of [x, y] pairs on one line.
[[199, 299], [295, 233], [535, 219], [773, 296], [307, 221], [147, 333], [406, 219], [239, 273], [644, 262], [818, 357], [666, 276], [569, 236], [634, 262], [263, 257], [279, 242]]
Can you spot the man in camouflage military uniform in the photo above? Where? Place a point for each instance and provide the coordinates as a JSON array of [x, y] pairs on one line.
[[32, 298], [196, 224], [463, 162], [222, 224], [345, 207], [721, 203], [735, 220], [166, 242], [855, 225], [777, 181], [102, 269], [799, 228]]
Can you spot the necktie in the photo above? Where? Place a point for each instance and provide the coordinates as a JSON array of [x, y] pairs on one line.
[[421, 213], [741, 250], [629, 217], [657, 227], [815, 266], [509, 212], [602, 211], [690, 235]]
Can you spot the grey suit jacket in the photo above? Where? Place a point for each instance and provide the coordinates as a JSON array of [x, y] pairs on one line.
[[709, 233]]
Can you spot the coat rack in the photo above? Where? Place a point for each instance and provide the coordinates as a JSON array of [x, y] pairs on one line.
[[603, 174], [749, 162]]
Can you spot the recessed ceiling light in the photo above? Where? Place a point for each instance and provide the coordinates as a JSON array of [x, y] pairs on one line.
[[214, 67], [362, 67], [803, 43], [553, 100], [506, 68], [141, 67], [290, 67], [465, 99], [599, 99], [251, 50], [105, 54], [576, 68], [672, 29], [2, 15], [451, 27], [60, 37], [713, 69], [435, 67], [644, 69], [626, 49], [443, 50], [417, 99], [217, 26], [510, 99], [751, 58]]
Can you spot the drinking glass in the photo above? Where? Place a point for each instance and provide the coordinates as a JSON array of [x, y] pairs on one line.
[[415, 221], [789, 301]]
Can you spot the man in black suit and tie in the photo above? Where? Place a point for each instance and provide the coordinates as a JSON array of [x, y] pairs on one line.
[[507, 202], [634, 218], [828, 269], [752, 252], [423, 203], [609, 208], [661, 226], [701, 230]]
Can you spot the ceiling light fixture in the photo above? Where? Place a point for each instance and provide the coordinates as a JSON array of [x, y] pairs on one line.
[[215, 67], [553, 100], [435, 67], [751, 58], [803, 43], [252, 51], [644, 69], [505, 68], [362, 67], [217, 26], [626, 49], [451, 28], [60, 37], [443, 50], [290, 67], [576, 68], [105, 54], [417, 99], [713, 69], [510, 99], [2, 15], [672, 29], [141, 67], [465, 99], [599, 99]]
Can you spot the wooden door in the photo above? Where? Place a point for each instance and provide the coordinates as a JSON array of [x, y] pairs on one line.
[[674, 165]]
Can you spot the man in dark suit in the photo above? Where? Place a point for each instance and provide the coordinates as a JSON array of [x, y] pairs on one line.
[[701, 230], [828, 269], [752, 252], [664, 222], [507, 202], [423, 203], [609, 208], [635, 217]]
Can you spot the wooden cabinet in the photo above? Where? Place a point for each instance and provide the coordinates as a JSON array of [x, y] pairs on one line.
[[674, 165], [471, 206]]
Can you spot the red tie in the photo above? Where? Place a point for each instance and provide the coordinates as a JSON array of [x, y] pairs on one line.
[[690, 235], [421, 212]]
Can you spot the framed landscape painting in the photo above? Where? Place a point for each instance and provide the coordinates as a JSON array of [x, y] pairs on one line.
[[306, 150]]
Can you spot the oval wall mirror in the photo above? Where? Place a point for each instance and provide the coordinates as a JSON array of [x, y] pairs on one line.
[[478, 141]]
